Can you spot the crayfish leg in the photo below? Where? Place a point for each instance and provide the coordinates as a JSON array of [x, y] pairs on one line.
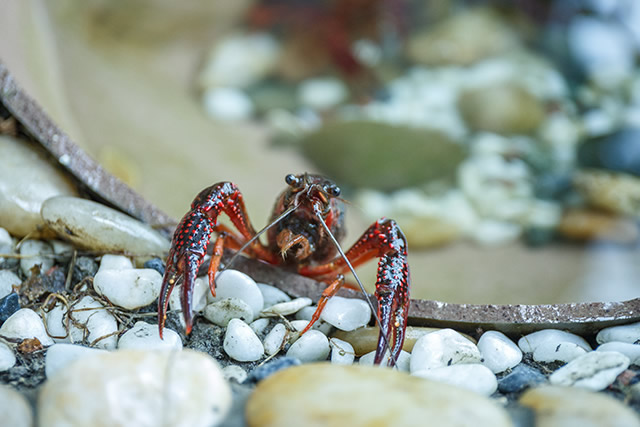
[[326, 294]]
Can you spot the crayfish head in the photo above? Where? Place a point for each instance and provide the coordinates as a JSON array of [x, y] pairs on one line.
[[287, 240]]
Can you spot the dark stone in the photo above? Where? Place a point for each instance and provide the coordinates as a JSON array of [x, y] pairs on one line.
[[618, 152], [552, 186], [536, 237], [156, 264], [84, 267], [9, 305], [521, 377], [270, 368]]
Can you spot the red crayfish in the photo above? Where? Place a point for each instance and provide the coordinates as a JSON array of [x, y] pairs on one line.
[[307, 221]]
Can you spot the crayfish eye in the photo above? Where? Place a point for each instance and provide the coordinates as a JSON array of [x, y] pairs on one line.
[[333, 190], [292, 180]]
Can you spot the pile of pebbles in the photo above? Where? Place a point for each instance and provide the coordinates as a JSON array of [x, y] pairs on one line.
[[79, 344]]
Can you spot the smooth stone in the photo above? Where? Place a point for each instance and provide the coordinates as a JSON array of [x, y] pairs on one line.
[[632, 351], [275, 339], [55, 319], [145, 336], [222, 311], [131, 288], [402, 364], [235, 284], [115, 262], [133, 387], [625, 333], [498, 352], [235, 373], [199, 299], [306, 313], [60, 355], [272, 295], [227, 103], [590, 225], [34, 252], [8, 306], [355, 153], [514, 110], [521, 377], [322, 93], [258, 326], [472, 376], [25, 323], [594, 370], [612, 192], [100, 325], [14, 407], [616, 152], [462, 39], [155, 264], [342, 352], [7, 357], [324, 394], [365, 340], [443, 348], [346, 314], [562, 406], [241, 343], [263, 371], [320, 325], [313, 346], [96, 227], [286, 308], [8, 279], [530, 342], [27, 179], [557, 352]]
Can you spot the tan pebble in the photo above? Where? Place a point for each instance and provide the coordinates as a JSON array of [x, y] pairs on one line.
[[563, 406], [614, 192], [322, 394], [365, 340], [586, 225]]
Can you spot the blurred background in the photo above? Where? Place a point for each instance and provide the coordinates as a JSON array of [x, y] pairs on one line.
[[501, 135]]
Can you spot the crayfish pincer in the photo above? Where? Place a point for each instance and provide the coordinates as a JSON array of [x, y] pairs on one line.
[[306, 224]]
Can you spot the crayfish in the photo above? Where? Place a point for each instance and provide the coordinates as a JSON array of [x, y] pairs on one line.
[[306, 224]]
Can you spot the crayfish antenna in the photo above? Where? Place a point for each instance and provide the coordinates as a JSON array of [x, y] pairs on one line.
[[364, 291]]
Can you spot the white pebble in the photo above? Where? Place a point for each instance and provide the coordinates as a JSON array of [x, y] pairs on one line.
[[498, 352], [528, 343], [130, 289], [632, 351], [115, 262], [322, 93], [306, 313], [8, 279], [144, 335], [561, 352], [15, 410], [625, 333], [25, 323], [274, 341], [346, 314], [199, 299], [235, 373], [235, 284], [594, 370], [227, 103], [342, 353], [94, 226], [60, 355], [35, 252], [55, 323], [61, 248], [241, 343], [286, 308], [474, 377], [97, 322], [221, 312], [272, 295], [7, 357], [313, 346], [443, 348], [320, 325], [259, 325], [403, 363]]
